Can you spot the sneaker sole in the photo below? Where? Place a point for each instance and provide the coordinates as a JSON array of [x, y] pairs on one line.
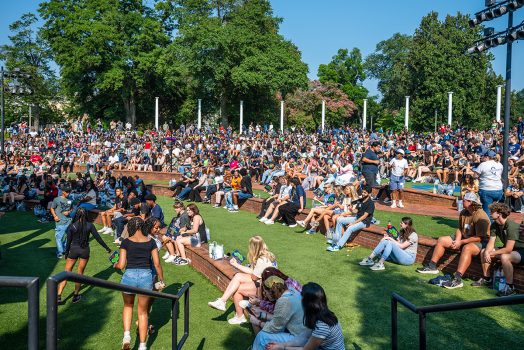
[[433, 272], [366, 264], [377, 269], [454, 287]]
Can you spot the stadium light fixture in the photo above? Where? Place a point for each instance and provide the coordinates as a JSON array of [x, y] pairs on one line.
[[494, 10]]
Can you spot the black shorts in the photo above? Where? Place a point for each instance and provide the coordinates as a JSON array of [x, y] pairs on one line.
[[521, 253], [78, 252]]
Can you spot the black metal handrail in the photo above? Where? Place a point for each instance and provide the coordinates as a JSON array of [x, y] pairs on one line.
[[423, 310], [33, 304], [52, 312]]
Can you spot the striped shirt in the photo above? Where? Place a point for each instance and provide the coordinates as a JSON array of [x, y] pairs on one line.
[[331, 335]]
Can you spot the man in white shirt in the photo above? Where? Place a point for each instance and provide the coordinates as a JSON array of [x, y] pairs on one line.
[[399, 167], [490, 180]]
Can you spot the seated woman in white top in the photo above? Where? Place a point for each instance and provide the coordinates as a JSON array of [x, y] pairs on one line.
[[401, 250], [246, 282]]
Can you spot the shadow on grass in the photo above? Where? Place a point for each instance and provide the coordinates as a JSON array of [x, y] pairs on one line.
[[443, 329], [450, 222]]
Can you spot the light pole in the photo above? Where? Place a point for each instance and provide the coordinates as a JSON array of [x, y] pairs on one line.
[[365, 114], [14, 89], [406, 116], [450, 107], [499, 101], [156, 113], [323, 114]]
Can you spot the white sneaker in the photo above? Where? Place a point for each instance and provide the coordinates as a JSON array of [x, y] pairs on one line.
[[218, 304], [244, 304], [301, 223], [400, 204], [126, 342], [109, 231], [237, 320], [269, 222], [367, 262], [378, 266], [165, 256], [394, 205], [142, 347], [170, 259], [235, 207], [263, 219], [103, 229]]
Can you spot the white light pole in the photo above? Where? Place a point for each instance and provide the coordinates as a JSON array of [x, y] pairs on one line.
[[499, 101], [156, 113], [450, 107], [29, 117], [323, 114], [365, 116], [281, 116], [199, 124], [406, 116], [241, 115]]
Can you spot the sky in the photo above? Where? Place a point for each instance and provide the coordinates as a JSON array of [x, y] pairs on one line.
[[320, 27]]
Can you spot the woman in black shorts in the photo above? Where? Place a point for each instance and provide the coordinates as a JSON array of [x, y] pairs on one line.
[[77, 247], [138, 255]]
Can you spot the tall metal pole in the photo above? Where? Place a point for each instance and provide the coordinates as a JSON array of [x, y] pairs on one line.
[[2, 111], [406, 116], [241, 115], [365, 114], [29, 118], [156, 113], [499, 100], [281, 116], [436, 120], [323, 114], [199, 113], [450, 108], [507, 106]]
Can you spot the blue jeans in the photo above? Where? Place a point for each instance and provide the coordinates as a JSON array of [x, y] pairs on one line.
[[184, 193], [139, 278], [229, 199], [86, 206], [488, 197], [60, 232], [265, 176], [341, 222], [391, 251], [244, 195]]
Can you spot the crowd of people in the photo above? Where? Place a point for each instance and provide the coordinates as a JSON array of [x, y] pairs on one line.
[[341, 168]]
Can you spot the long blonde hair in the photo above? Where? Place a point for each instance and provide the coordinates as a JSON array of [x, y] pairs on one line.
[[258, 249]]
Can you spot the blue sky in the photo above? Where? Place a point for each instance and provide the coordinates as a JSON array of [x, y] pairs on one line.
[[320, 27]]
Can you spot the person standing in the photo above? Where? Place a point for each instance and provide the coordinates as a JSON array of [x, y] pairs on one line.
[[370, 163], [78, 248], [490, 180], [399, 167], [138, 255], [60, 209]]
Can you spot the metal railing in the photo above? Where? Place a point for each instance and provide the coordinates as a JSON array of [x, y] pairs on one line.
[[32, 284], [52, 295], [423, 310]]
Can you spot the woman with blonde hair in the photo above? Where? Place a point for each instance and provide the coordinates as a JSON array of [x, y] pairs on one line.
[[246, 282]]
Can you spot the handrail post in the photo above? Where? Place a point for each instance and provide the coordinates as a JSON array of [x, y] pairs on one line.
[[394, 323], [186, 312], [174, 332], [33, 313], [422, 330], [52, 314]]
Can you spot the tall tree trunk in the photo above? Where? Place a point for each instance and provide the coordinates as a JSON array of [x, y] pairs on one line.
[[223, 108], [130, 107]]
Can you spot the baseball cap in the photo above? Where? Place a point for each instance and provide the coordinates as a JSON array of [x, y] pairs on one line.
[[400, 150], [490, 153]]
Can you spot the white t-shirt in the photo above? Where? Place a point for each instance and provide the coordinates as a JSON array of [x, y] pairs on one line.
[[398, 166], [490, 175], [260, 265]]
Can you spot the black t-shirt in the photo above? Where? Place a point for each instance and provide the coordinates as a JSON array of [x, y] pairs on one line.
[[138, 253], [245, 184], [369, 167], [143, 209], [122, 203], [365, 207]]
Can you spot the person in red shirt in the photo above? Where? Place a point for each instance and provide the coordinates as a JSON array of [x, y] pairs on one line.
[[35, 158]]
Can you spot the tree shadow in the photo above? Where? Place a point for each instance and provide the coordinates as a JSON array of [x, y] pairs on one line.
[[450, 222]]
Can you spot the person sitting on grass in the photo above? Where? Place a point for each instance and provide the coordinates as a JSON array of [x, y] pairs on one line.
[[245, 283], [193, 236], [323, 330], [169, 236], [316, 214], [511, 253], [470, 238], [402, 251], [364, 209], [121, 205], [287, 320]]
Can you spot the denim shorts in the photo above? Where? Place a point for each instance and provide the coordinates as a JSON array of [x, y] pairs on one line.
[[139, 278], [396, 183]]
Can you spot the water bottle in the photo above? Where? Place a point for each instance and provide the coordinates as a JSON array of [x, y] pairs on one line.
[[389, 225], [460, 205], [211, 249]]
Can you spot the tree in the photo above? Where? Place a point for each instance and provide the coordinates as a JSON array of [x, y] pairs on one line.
[[108, 52], [347, 70], [303, 107], [29, 52], [390, 66], [438, 64], [234, 52]]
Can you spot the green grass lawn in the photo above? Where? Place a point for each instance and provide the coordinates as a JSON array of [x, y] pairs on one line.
[[359, 297]]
